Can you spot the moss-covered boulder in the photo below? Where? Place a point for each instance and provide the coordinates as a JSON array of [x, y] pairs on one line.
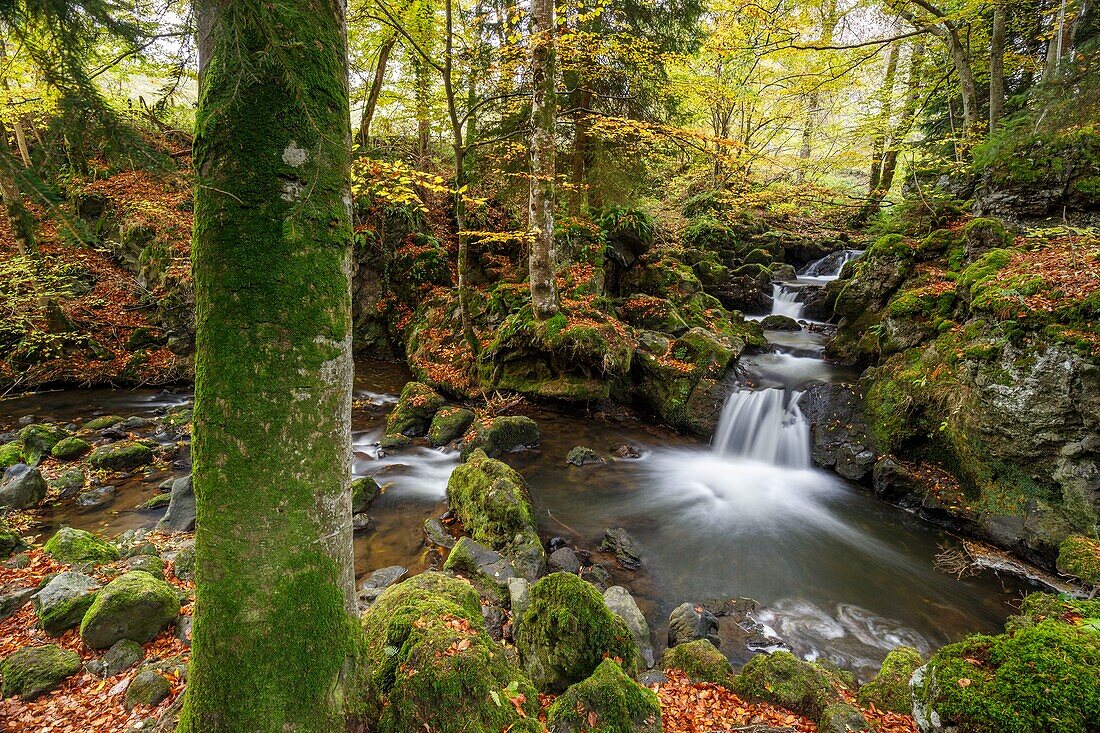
[[32, 671], [39, 439], [982, 235], [567, 630], [488, 570], [10, 454], [491, 500], [889, 690], [62, 602], [782, 679], [1042, 675], [1079, 556], [414, 410], [148, 688], [71, 448], [777, 322], [700, 661], [449, 424], [121, 456], [428, 664], [21, 486], [77, 547], [651, 313], [135, 606], [609, 701], [364, 490], [501, 435], [842, 717], [103, 422]]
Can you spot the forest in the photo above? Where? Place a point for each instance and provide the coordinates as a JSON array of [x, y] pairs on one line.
[[559, 366]]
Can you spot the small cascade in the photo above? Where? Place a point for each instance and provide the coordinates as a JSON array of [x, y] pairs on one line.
[[764, 425], [830, 265], [784, 301]]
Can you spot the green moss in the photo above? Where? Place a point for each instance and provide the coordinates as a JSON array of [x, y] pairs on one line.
[[77, 547], [39, 439], [121, 456], [607, 702], [491, 500], [984, 268], [1079, 556], [501, 435], [890, 245], [148, 688], [63, 613], [157, 501], [940, 242], [989, 232], [32, 671], [629, 225], [449, 424], [103, 422], [710, 234], [364, 490], [758, 257], [10, 541], [414, 410], [889, 690], [135, 606], [785, 680], [71, 448], [10, 454], [700, 661], [566, 632]]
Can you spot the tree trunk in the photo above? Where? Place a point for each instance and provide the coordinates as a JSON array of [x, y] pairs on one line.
[[829, 19], [967, 86], [20, 221], [375, 90], [997, 66], [885, 121], [544, 292], [272, 443], [905, 121]]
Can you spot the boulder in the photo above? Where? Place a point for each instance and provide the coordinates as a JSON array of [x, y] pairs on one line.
[[487, 569], [414, 410], [184, 562], [69, 483], [21, 487], [889, 690], [583, 456], [39, 439], [12, 601], [622, 604], [567, 630], [782, 679], [776, 322], [701, 661], [364, 490], [450, 423], [564, 560], [609, 700], [502, 435], [32, 671], [122, 655], [95, 498], [840, 717], [147, 563], [69, 449], [121, 456], [134, 606], [180, 516], [689, 622], [438, 534], [77, 547], [618, 542], [148, 688], [62, 602], [11, 454], [102, 422], [375, 583]]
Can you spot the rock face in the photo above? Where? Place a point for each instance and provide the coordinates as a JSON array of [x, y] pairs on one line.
[[62, 603], [22, 487], [566, 632], [122, 456], [134, 606], [700, 661], [689, 622], [77, 547], [889, 690], [180, 516], [32, 671], [609, 700], [432, 623], [622, 604]]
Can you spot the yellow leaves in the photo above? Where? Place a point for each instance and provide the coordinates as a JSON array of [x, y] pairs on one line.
[[394, 182]]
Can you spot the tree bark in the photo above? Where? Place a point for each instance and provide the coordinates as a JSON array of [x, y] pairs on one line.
[[544, 292], [271, 258], [375, 90], [997, 66], [20, 221], [886, 114]]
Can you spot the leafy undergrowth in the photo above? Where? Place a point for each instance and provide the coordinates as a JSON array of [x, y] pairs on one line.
[[85, 702]]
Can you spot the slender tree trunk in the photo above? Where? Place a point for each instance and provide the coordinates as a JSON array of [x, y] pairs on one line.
[[274, 583], [905, 121], [997, 65], [375, 90], [967, 86], [423, 110], [20, 221], [885, 120], [1061, 40], [544, 292]]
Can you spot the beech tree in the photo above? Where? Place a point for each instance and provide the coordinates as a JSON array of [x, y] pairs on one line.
[[271, 449], [544, 293]]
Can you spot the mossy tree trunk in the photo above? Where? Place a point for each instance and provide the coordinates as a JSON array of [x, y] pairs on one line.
[[997, 66], [544, 291], [274, 576]]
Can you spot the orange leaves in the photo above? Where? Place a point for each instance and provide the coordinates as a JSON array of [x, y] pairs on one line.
[[688, 707]]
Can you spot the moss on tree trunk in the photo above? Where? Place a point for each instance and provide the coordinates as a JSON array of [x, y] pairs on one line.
[[271, 257]]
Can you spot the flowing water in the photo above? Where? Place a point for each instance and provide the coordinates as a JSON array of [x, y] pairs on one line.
[[787, 296]]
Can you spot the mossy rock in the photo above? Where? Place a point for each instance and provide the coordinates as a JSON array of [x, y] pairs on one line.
[[841, 717], [427, 663], [566, 632], [983, 235], [652, 314], [62, 602], [121, 456], [758, 257], [1079, 556], [502, 435], [889, 690], [491, 500], [148, 688], [10, 541], [135, 606], [71, 448], [103, 422], [39, 439], [77, 547], [777, 322], [69, 482], [449, 424], [364, 490], [700, 661], [32, 671], [158, 501], [10, 454], [414, 410], [607, 702], [1044, 677], [782, 679]]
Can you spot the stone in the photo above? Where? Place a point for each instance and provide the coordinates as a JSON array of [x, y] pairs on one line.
[[69, 449], [102, 422], [622, 604], [122, 655], [690, 621], [62, 602], [77, 547], [564, 560], [889, 690], [414, 410], [618, 541], [10, 454], [1079, 556], [157, 502], [22, 487], [622, 451], [449, 424], [487, 569], [360, 522], [135, 606], [609, 700], [69, 483], [701, 661], [148, 688], [855, 461], [583, 456], [782, 679], [184, 562], [438, 534], [840, 717], [776, 322], [122, 456], [148, 563], [376, 583], [502, 435], [181, 513], [31, 671], [95, 498], [364, 490], [39, 439], [519, 596], [597, 576], [12, 601]]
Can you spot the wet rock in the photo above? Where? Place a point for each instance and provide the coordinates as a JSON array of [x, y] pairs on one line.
[[438, 534], [181, 513], [895, 483], [855, 461], [62, 603], [519, 596], [360, 522], [623, 605], [121, 456], [583, 456], [71, 448], [889, 690], [69, 483], [414, 410], [22, 487], [147, 688], [564, 560], [610, 699], [77, 547], [690, 621], [102, 422], [39, 439], [776, 322], [13, 600], [618, 541], [376, 583], [840, 717], [837, 424], [487, 569], [364, 490], [622, 450], [450, 423], [502, 435], [596, 575], [494, 621], [135, 422], [31, 671], [95, 498], [701, 661], [134, 606]]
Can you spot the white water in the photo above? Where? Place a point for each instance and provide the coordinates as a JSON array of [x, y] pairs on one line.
[[784, 301], [829, 266], [766, 426]]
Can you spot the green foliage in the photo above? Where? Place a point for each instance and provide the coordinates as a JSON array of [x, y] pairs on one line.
[[630, 225]]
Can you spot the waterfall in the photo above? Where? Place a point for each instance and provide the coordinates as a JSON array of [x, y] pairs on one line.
[[830, 265], [784, 301], [764, 425]]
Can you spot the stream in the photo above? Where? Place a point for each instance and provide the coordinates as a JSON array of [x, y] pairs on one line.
[[837, 572]]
